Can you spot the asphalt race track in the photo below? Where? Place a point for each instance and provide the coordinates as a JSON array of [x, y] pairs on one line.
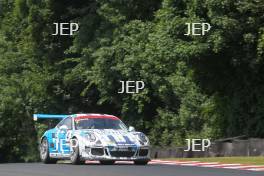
[[39, 169]]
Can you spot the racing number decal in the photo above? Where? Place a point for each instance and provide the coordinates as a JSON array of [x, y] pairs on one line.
[[64, 141]]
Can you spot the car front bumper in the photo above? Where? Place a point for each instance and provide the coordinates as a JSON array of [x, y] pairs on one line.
[[117, 153]]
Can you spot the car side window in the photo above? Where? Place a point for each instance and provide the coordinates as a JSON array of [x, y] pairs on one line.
[[67, 122], [60, 123]]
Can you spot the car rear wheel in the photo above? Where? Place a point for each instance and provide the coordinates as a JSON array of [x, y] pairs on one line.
[[107, 162], [44, 152], [75, 156], [141, 162]]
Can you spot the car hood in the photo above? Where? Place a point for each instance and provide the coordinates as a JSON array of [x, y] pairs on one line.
[[114, 137]]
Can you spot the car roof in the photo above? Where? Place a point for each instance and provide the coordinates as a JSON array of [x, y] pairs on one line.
[[93, 116]]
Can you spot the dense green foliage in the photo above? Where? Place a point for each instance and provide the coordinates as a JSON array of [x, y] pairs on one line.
[[196, 86]]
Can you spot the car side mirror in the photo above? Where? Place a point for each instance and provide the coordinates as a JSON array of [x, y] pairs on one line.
[[131, 129], [63, 128]]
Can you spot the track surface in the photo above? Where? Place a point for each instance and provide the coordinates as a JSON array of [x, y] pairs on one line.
[[38, 169]]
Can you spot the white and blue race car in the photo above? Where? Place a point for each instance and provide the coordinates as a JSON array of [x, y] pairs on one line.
[[99, 137]]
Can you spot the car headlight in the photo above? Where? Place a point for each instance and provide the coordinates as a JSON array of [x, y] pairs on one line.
[[143, 138], [91, 137], [98, 142]]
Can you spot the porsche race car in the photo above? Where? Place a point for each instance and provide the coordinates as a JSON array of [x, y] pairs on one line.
[[100, 137]]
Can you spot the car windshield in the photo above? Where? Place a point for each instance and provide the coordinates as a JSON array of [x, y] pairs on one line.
[[100, 123]]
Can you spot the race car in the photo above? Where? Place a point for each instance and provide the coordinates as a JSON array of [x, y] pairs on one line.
[[97, 137]]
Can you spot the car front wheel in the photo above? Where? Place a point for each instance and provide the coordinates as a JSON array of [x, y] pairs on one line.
[[75, 156]]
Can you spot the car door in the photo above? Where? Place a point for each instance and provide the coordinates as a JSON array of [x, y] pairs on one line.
[[64, 135]]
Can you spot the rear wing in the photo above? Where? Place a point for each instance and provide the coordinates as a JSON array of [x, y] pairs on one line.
[[48, 116]]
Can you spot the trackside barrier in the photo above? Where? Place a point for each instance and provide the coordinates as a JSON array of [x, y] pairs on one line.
[[223, 148]]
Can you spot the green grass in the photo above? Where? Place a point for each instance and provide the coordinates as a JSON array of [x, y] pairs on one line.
[[228, 160]]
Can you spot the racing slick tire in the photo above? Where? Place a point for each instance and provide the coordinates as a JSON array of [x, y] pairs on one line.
[[141, 162], [44, 152], [75, 156], [107, 162]]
